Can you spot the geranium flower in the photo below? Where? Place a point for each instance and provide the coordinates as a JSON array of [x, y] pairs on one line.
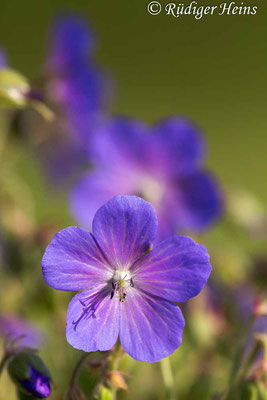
[[162, 164], [129, 290], [19, 333], [76, 83], [79, 90]]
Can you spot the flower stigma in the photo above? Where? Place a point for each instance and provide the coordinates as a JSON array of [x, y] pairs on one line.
[[121, 281]]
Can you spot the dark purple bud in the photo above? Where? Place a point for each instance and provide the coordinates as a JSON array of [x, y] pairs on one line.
[[30, 375], [37, 385]]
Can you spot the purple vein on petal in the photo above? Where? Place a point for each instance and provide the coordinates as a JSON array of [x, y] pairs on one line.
[[90, 310]]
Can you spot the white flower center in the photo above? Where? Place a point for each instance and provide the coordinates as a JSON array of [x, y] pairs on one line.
[[151, 189], [122, 278], [121, 281]]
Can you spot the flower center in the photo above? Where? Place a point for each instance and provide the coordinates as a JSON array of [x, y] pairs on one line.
[[151, 189], [121, 281]]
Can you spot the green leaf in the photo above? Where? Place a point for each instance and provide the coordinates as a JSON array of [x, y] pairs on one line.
[[24, 396]]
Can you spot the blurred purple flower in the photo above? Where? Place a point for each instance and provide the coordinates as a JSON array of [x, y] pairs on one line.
[[76, 82], [260, 325], [162, 164], [19, 333], [129, 290], [62, 156], [78, 90], [3, 60], [258, 333]]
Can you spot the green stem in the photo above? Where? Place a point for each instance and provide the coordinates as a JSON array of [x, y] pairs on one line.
[[237, 373], [75, 376], [242, 373], [167, 376], [4, 361], [115, 364], [4, 130]]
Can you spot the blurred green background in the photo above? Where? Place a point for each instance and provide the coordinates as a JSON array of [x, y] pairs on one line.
[[211, 70]]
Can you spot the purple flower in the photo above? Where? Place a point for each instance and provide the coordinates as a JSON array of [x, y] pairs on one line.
[[258, 333], [260, 325], [19, 333], [78, 90], [3, 60], [162, 164], [76, 83], [129, 289], [61, 154]]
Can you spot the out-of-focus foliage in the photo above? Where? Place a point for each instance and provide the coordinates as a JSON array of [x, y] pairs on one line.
[[15, 92]]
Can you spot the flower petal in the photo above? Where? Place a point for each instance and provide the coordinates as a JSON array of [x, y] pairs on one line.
[[176, 269], [71, 44], [180, 146], [201, 201], [73, 261], [125, 227], [92, 191], [150, 328], [121, 141], [20, 332], [62, 156], [93, 320]]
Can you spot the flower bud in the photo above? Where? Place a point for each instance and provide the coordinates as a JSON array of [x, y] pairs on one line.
[[30, 375], [13, 88], [15, 92], [116, 380]]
